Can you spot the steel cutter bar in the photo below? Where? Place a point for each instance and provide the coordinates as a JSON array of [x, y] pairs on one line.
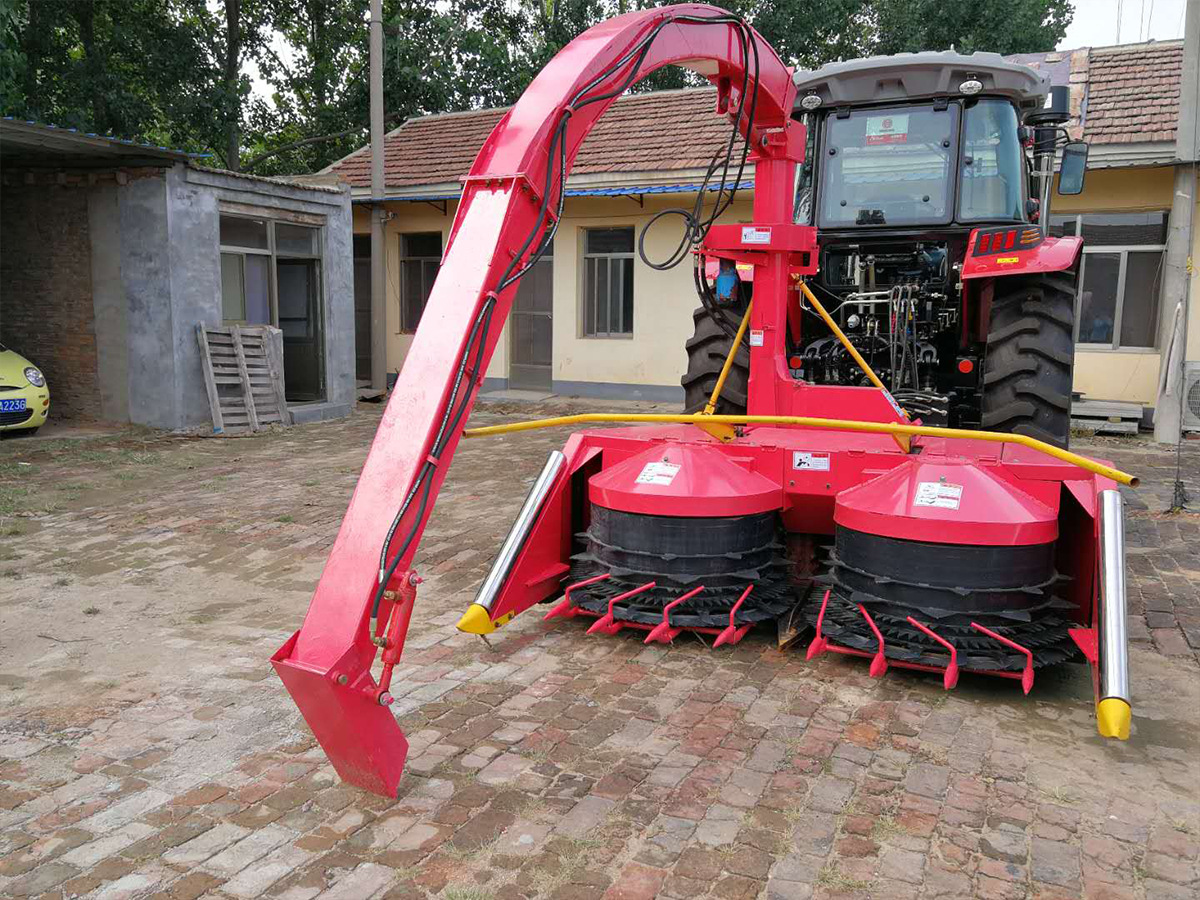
[[951, 678], [608, 623], [664, 633], [879, 661], [733, 633], [821, 644], [564, 608], [1027, 675]]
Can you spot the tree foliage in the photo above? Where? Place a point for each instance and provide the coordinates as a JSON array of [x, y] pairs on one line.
[[279, 86], [1015, 26]]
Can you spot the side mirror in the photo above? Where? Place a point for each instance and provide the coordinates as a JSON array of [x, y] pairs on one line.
[[1072, 168]]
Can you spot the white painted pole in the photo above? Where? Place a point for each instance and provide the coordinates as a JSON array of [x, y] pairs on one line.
[[1177, 275], [378, 188]]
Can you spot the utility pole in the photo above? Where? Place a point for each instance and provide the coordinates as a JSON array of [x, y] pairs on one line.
[[1177, 272], [378, 189]]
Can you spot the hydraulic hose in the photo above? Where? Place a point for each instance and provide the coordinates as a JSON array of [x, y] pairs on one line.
[[456, 405]]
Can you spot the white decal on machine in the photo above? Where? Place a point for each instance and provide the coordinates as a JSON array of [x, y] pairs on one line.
[[658, 473], [756, 337], [895, 406], [752, 234], [938, 493], [812, 462]]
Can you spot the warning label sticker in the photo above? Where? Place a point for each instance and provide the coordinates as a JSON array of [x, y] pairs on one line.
[[756, 337], [754, 234], [658, 473], [891, 129], [895, 405], [938, 493], [812, 462]]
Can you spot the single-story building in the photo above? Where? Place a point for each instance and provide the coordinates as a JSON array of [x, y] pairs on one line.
[[113, 253], [1126, 104], [592, 319], [596, 321]]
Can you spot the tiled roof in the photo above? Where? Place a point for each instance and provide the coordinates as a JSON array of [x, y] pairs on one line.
[[661, 131], [1125, 94], [1128, 94], [1133, 93]]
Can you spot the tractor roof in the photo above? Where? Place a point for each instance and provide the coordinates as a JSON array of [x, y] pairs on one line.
[[915, 76]]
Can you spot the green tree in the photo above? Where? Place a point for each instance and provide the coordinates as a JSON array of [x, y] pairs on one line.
[[177, 72], [316, 64], [1012, 26], [461, 54], [162, 71]]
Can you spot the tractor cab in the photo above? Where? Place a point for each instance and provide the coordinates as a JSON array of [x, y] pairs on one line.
[[919, 170], [921, 141]]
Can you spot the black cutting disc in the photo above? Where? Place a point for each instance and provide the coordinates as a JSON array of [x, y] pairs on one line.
[[1006, 589], [679, 554]]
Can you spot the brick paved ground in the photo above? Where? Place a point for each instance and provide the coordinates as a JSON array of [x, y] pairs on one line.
[[148, 750]]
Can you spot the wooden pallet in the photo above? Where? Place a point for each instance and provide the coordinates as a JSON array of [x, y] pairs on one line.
[[243, 374], [1106, 416]]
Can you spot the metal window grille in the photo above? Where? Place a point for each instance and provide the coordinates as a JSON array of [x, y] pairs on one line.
[[608, 283], [420, 260]]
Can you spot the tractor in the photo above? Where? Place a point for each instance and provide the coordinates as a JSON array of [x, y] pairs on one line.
[[894, 287], [928, 179]]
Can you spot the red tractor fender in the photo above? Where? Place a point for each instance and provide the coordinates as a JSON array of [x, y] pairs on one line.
[[1018, 250]]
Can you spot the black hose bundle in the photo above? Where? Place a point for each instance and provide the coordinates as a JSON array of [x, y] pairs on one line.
[[697, 227]]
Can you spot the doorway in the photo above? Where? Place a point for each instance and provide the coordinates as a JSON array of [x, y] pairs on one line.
[[299, 320], [362, 307], [298, 276], [531, 341]]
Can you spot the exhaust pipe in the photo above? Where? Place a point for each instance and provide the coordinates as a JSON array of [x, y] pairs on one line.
[[1113, 710], [478, 619]]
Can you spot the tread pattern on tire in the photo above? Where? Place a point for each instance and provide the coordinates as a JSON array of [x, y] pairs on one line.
[[1030, 355], [706, 352]]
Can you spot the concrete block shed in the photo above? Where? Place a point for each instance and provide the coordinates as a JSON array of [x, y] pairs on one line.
[[112, 252]]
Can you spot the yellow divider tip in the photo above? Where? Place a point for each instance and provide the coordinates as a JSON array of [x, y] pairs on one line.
[[476, 621], [1112, 718]]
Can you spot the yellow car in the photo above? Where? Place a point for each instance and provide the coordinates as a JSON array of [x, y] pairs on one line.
[[24, 396]]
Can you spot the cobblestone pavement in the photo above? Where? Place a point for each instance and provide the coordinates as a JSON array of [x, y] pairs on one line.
[[146, 748]]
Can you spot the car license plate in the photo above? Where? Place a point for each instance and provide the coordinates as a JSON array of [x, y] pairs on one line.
[[12, 405]]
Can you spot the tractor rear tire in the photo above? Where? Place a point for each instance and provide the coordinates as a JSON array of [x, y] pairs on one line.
[[1030, 355], [706, 352]]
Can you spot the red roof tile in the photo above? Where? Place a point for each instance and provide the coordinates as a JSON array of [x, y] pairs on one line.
[[1133, 93], [659, 131], [1132, 96]]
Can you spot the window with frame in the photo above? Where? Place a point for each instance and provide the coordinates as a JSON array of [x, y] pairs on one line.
[[245, 271], [1121, 278], [271, 275], [420, 260], [607, 282]]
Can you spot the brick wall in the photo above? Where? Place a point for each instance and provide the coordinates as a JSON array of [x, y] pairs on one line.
[[46, 311]]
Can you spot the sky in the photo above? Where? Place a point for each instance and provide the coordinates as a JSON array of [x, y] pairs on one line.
[[1095, 23]]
